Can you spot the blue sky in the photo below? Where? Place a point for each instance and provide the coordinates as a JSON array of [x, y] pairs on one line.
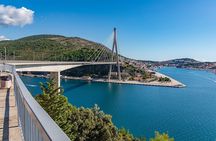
[[147, 29]]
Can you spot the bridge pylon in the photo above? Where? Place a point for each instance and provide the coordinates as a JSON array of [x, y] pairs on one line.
[[115, 48]]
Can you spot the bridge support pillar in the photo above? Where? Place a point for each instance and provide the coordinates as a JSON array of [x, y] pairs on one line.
[[115, 49], [55, 76]]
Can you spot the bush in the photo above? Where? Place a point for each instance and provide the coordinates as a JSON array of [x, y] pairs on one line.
[[164, 79], [161, 137]]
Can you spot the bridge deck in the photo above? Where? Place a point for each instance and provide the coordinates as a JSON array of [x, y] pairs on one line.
[[9, 129]]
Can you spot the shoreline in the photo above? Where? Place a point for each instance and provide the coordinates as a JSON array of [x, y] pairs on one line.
[[173, 84]]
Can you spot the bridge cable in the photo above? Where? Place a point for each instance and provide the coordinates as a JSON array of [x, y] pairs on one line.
[[100, 54], [93, 54]]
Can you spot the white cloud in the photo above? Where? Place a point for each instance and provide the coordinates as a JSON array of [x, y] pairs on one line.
[[2, 38], [12, 16]]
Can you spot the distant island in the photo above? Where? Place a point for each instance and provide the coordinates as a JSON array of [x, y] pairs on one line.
[[61, 48]]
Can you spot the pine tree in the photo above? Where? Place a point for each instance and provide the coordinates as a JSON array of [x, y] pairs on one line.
[[55, 104]]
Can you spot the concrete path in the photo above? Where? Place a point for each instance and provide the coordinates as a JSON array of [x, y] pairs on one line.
[[9, 129]]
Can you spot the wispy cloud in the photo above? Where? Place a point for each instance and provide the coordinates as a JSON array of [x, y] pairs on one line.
[[2, 38], [12, 16]]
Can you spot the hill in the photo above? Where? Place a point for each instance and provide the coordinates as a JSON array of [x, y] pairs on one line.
[[183, 63], [54, 48]]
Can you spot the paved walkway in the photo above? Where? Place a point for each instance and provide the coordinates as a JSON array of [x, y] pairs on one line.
[[9, 130]]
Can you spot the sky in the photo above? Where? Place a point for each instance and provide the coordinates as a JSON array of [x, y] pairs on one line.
[[147, 29]]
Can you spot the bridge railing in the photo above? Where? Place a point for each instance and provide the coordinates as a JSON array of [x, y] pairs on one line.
[[35, 123]]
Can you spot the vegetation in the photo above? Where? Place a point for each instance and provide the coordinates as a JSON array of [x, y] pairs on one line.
[[53, 48], [134, 71], [161, 137], [84, 124], [164, 79], [55, 104]]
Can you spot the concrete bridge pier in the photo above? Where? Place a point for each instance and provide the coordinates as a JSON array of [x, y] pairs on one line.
[[55, 76]]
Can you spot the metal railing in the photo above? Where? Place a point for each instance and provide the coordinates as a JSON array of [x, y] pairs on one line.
[[35, 123]]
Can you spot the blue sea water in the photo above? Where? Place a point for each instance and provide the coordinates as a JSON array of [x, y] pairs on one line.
[[187, 114]]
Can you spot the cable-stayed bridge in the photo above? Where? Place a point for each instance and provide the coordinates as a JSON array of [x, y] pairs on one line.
[[50, 66], [56, 67], [29, 119]]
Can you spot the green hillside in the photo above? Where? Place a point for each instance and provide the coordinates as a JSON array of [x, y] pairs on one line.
[[61, 48], [54, 48]]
